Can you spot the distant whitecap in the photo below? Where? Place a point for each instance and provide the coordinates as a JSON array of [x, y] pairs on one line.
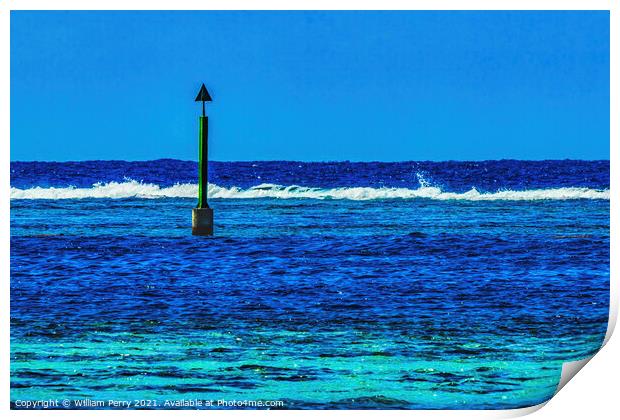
[[134, 189]]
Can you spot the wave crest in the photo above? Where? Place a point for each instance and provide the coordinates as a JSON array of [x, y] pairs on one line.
[[134, 189]]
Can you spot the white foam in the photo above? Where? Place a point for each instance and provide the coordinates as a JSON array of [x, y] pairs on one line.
[[134, 189]]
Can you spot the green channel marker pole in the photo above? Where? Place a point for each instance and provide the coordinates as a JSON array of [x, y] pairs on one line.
[[203, 162], [202, 215]]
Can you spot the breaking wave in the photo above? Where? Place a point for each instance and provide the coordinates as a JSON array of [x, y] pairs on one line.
[[134, 189]]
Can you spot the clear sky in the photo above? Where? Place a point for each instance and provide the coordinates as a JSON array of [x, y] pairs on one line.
[[310, 86]]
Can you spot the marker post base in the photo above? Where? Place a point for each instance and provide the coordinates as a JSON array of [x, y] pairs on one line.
[[202, 221]]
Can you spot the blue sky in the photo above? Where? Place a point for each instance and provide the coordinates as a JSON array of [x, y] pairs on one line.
[[310, 86]]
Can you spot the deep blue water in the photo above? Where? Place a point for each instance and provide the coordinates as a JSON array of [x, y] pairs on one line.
[[326, 285], [450, 176]]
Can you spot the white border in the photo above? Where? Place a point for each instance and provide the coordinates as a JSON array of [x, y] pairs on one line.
[[596, 385], [310, 5]]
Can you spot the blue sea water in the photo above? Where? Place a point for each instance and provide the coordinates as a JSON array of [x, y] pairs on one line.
[[461, 285]]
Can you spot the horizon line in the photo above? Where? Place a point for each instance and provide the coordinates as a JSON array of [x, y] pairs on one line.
[[312, 161]]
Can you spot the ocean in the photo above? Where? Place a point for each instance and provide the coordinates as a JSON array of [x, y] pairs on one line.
[[421, 285]]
